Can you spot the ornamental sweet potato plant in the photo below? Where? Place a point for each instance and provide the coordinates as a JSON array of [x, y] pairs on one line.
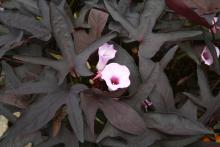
[[110, 73]]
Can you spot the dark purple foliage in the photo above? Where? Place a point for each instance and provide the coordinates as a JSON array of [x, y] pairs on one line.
[[48, 60]]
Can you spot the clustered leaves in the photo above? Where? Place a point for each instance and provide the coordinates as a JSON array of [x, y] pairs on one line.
[[49, 55]]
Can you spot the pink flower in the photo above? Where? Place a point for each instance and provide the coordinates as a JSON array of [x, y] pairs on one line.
[[116, 76], [215, 28], [206, 55], [147, 104], [106, 52]]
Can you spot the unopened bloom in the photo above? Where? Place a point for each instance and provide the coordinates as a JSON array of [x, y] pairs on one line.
[[207, 57], [147, 104], [116, 76], [106, 52]]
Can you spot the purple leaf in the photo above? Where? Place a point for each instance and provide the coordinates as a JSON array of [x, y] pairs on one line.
[[74, 111], [38, 114], [174, 124], [181, 8], [120, 115], [62, 34], [27, 23], [96, 20]]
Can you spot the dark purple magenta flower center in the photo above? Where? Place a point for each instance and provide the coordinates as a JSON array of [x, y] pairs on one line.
[[206, 55], [114, 80]]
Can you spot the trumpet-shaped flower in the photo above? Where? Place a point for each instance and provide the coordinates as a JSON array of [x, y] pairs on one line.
[[106, 52], [207, 57], [116, 76]]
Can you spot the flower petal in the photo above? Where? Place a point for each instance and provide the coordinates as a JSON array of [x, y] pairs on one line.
[[106, 52], [217, 51], [206, 56], [116, 71]]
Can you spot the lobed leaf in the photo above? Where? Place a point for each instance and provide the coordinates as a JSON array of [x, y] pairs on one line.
[[97, 20], [27, 23], [38, 114], [181, 8], [174, 124], [74, 111], [119, 114]]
